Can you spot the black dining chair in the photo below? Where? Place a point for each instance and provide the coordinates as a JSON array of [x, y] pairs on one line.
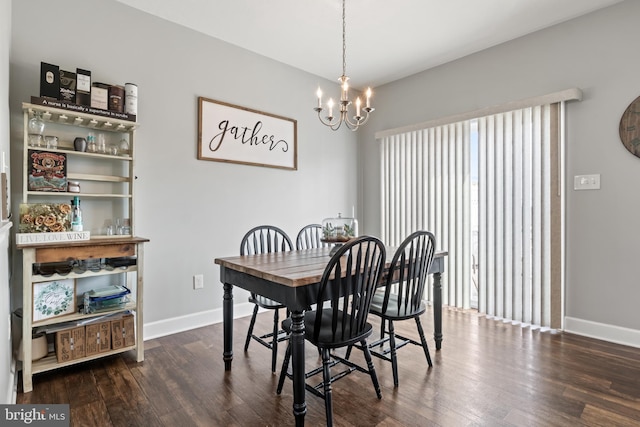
[[259, 240], [344, 297], [310, 236], [401, 298]]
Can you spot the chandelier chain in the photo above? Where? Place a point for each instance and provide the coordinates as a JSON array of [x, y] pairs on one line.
[[344, 40]]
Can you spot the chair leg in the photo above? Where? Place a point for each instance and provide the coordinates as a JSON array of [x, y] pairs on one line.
[[274, 341], [326, 379], [394, 355], [285, 367], [371, 368], [382, 321], [424, 341], [251, 325], [348, 354]]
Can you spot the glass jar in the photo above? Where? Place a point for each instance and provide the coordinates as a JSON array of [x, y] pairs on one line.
[[51, 141], [124, 147], [102, 144], [339, 230], [36, 124], [73, 186], [91, 143], [35, 130], [35, 140]]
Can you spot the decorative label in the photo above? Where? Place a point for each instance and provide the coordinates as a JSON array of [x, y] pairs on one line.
[[84, 109], [38, 238]]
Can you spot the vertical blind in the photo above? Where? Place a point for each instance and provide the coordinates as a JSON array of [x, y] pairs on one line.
[[515, 210], [425, 184]]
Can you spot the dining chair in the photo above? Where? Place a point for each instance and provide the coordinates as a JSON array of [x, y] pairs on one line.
[[310, 236], [401, 297], [259, 240], [343, 300]]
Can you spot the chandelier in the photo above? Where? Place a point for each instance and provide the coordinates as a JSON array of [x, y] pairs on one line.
[[335, 122]]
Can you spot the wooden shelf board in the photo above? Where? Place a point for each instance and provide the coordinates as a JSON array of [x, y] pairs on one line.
[[92, 177], [36, 278], [50, 362], [130, 306], [77, 118], [71, 151], [67, 194]]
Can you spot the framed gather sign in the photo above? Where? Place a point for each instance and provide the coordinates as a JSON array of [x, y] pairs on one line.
[[233, 134]]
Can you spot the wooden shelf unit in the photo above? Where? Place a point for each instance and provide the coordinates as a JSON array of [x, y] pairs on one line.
[[58, 252], [107, 190]]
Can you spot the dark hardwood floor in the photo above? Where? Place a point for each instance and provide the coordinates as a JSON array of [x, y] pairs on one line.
[[487, 374]]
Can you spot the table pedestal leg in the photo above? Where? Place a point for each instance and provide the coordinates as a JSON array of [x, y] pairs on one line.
[[227, 318], [297, 363], [437, 309]]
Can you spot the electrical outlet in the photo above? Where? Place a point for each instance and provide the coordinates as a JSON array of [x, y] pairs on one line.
[[586, 182], [198, 281]]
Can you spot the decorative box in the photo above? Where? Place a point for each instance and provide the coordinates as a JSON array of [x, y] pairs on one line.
[[123, 332], [67, 86], [70, 344], [49, 81], [100, 96], [339, 230], [98, 338], [83, 87]]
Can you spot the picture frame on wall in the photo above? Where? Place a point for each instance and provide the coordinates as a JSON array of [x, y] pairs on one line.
[[235, 134], [53, 299]]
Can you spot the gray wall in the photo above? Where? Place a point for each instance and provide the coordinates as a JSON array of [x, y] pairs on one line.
[[191, 210], [597, 53], [6, 383]]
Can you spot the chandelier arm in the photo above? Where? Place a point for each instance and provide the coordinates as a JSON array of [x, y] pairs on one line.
[[355, 125], [329, 123]]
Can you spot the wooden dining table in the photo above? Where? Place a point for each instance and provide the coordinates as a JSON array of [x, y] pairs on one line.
[[292, 278]]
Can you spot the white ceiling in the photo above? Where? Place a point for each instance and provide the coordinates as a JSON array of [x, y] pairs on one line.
[[386, 40]]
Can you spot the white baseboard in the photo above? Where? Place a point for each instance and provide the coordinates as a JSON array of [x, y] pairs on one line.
[[174, 325], [602, 331]]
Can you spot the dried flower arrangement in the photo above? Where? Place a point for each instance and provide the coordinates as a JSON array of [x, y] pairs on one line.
[[44, 218]]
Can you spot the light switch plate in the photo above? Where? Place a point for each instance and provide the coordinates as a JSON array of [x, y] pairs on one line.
[[198, 281], [586, 182]]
